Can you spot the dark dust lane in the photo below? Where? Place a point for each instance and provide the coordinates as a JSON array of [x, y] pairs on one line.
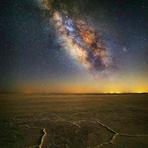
[[74, 121]]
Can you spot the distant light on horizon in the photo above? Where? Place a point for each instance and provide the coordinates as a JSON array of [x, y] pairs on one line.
[[79, 50]]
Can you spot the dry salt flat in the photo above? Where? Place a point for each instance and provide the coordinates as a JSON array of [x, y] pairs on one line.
[[74, 121]]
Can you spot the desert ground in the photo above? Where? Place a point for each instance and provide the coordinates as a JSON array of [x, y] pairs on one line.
[[74, 121]]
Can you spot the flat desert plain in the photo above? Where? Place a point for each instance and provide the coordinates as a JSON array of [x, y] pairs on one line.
[[74, 121]]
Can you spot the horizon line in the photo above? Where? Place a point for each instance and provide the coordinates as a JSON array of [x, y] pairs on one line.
[[79, 93]]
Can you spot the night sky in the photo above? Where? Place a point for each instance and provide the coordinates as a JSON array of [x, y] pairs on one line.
[[36, 56]]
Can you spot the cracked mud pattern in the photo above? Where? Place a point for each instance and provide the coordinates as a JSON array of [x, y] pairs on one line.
[[74, 121]]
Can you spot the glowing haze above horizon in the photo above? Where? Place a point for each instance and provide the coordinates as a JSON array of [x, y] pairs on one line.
[[55, 46]]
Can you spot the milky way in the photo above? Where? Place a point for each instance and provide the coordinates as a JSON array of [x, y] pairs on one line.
[[81, 41]]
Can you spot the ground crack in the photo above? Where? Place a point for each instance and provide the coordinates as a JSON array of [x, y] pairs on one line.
[[43, 137], [111, 141], [116, 134]]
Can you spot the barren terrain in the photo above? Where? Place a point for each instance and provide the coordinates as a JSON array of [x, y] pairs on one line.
[[74, 121]]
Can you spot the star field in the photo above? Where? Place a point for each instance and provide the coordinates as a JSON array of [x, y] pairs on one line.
[[32, 58]]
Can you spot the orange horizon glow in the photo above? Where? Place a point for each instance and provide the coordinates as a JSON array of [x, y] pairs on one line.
[[81, 89], [122, 84]]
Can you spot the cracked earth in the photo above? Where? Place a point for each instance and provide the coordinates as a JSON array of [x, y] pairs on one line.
[[76, 122], [79, 126]]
